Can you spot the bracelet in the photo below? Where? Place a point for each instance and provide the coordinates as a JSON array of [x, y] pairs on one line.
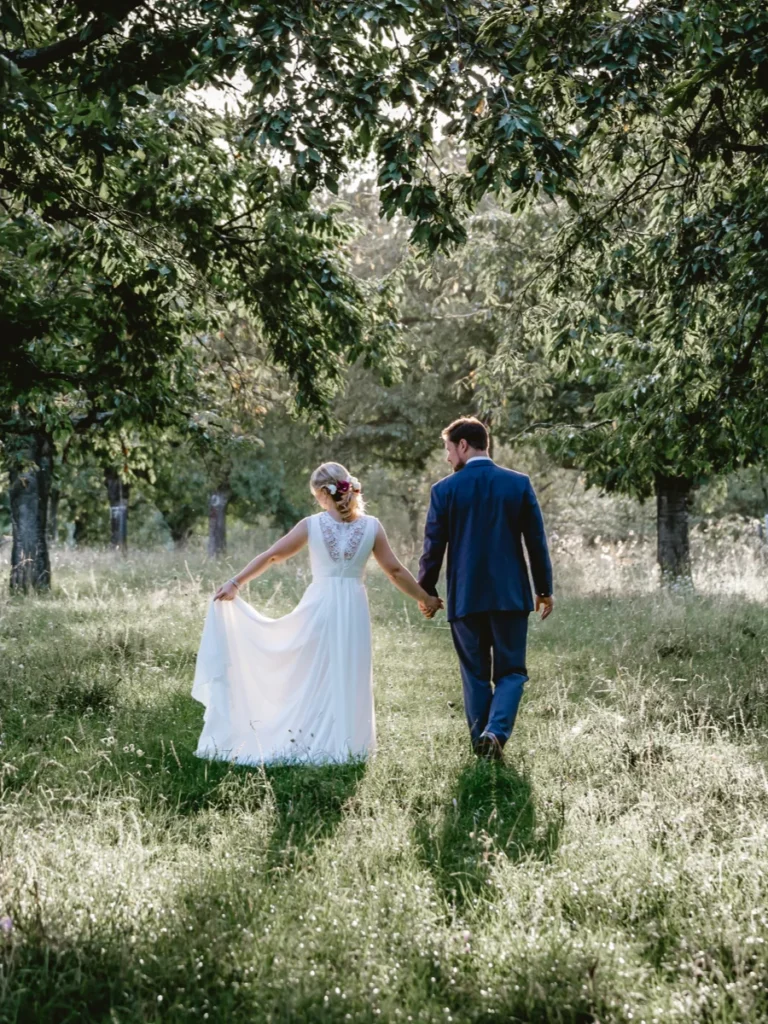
[[234, 583]]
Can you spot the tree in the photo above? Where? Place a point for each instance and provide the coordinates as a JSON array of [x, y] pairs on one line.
[[228, 457], [654, 302], [107, 321], [30, 475]]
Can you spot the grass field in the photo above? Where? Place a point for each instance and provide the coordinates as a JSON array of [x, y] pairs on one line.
[[615, 869]]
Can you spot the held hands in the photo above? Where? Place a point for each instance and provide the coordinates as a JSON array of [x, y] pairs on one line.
[[546, 605], [430, 606], [226, 592]]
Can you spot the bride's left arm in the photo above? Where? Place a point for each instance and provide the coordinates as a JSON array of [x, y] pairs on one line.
[[402, 578], [281, 551]]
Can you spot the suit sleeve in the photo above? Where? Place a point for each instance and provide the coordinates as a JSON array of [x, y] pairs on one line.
[[536, 543], [435, 541]]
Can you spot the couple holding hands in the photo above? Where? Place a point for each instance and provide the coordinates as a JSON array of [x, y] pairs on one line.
[[300, 688]]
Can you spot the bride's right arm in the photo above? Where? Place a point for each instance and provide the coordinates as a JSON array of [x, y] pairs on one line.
[[281, 551]]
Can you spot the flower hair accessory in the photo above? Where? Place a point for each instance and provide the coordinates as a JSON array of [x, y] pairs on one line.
[[342, 486]]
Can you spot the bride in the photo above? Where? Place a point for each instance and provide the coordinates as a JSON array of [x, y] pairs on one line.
[[299, 688]]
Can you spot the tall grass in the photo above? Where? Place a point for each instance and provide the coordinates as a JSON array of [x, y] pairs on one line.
[[614, 869]]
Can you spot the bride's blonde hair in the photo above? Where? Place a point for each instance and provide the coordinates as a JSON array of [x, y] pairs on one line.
[[349, 500]]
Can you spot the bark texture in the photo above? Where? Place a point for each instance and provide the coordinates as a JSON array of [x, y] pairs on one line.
[[217, 522], [30, 460], [53, 514], [673, 548], [118, 493]]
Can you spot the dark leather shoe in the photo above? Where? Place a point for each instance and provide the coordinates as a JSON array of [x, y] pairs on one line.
[[489, 747]]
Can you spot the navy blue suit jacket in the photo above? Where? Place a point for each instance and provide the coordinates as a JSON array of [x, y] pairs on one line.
[[482, 514]]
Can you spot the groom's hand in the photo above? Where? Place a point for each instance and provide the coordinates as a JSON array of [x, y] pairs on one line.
[[430, 607], [546, 605]]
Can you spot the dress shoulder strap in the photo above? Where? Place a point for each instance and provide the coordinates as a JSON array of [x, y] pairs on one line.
[[313, 531]]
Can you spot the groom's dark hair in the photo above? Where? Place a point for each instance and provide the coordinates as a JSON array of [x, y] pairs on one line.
[[469, 429]]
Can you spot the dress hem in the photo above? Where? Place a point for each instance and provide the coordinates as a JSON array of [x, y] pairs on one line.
[[287, 761]]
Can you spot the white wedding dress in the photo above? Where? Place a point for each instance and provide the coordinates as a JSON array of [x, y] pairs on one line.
[[297, 688]]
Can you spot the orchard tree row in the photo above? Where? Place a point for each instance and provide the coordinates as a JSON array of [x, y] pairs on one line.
[[597, 171]]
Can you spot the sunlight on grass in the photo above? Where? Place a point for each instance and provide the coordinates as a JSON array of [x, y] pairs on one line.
[[615, 869]]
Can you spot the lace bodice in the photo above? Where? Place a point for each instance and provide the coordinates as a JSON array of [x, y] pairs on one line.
[[340, 549]]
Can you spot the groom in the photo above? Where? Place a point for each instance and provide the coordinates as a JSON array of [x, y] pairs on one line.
[[482, 514]]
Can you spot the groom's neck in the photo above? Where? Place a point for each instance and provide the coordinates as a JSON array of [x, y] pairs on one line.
[[474, 453]]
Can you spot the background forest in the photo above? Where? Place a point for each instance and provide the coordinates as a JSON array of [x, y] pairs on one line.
[[243, 457]]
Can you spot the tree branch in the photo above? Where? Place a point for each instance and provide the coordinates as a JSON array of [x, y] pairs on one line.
[[745, 147], [549, 425], [39, 58]]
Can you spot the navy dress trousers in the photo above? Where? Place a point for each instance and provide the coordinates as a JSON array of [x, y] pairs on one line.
[[483, 515]]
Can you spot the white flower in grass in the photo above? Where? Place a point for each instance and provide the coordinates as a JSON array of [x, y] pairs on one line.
[[6, 925]]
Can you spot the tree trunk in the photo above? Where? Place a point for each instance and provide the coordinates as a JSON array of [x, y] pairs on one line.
[[78, 532], [217, 522], [30, 458], [118, 493], [673, 548], [53, 514]]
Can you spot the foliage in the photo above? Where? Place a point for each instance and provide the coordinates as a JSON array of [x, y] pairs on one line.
[[107, 323], [136, 221], [656, 300], [397, 424], [743, 493]]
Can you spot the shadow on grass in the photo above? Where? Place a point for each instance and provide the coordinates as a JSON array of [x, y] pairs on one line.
[[213, 959], [491, 817], [149, 765], [303, 802], [310, 802]]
